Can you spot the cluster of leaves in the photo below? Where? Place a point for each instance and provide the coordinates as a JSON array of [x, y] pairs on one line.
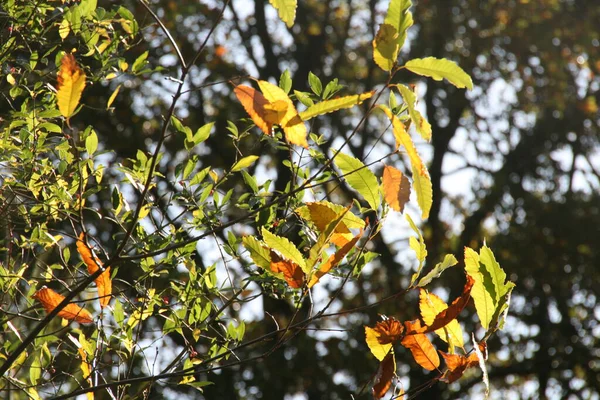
[[297, 242]]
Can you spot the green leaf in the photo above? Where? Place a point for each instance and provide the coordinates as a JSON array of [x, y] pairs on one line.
[[440, 68], [360, 178], [286, 10], [140, 62], [315, 84], [328, 106], [91, 142], [418, 247], [202, 133], [421, 124], [258, 252], [497, 276], [244, 163], [285, 81], [304, 98], [286, 248], [423, 189], [449, 261], [484, 303], [35, 369], [385, 47], [399, 16]]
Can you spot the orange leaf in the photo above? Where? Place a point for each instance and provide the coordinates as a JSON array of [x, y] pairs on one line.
[[103, 281], [457, 364], [421, 348], [447, 315], [274, 112], [292, 272], [334, 259], [396, 188], [71, 82], [384, 377], [380, 338], [50, 299], [254, 103]]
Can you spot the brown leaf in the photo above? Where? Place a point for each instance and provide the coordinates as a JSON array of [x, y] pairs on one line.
[[430, 306], [457, 365], [389, 330], [396, 188], [103, 282], [50, 299], [292, 273], [254, 103], [450, 313], [71, 82], [421, 348], [384, 377]]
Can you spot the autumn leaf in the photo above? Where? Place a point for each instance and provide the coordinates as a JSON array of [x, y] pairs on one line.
[[292, 273], [385, 375], [380, 338], [254, 103], [322, 213], [50, 300], [420, 346], [430, 306], [396, 188], [71, 82], [103, 282], [457, 365], [445, 316]]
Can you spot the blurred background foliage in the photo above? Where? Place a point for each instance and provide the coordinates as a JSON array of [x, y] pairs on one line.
[[515, 162]]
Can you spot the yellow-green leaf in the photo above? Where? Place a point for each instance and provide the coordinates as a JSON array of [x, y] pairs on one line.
[[418, 246], [440, 68], [423, 189], [360, 178], [385, 47], [284, 247], [328, 106], [421, 124], [64, 29], [71, 82], [291, 123], [258, 252], [449, 261], [244, 163], [399, 16], [484, 303], [430, 306], [286, 10]]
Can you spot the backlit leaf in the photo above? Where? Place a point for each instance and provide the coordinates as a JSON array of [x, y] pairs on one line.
[[86, 371], [286, 10], [292, 273], [440, 68], [284, 247], [430, 306], [274, 112], [103, 282], [396, 188], [482, 357], [449, 261], [322, 213], [385, 47], [244, 163], [291, 123], [418, 246], [424, 190], [484, 302], [112, 97], [385, 375], [360, 178], [447, 315], [457, 364], [71, 82], [421, 348], [399, 16], [258, 252], [254, 103], [332, 105], [381, 337], [421, 124], [50, 299]]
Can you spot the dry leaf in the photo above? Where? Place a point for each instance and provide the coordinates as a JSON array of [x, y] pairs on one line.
[[385, 375], [457, 364], [50, 299], [103, 281], [421, 348], [380, 338], [396, 188], [71, 82], [292, 273], [447, 315], [430, 306]]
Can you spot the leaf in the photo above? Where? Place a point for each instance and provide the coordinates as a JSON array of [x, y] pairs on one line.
[[436, 272], [497, 276], [447, 315], [112, 97], [291, 123], [396, 188], [334, 259], [421, 124], [103, 282], [329, 106], [421, 348], [86, 370], [457, 364], [244, 163], [380, 338], [484, 302], [274, 112], [399, 16], [385, 47], [50, 299], [440, 68], [385, 375], [292, 273], [482, 359], [322, 213], [71, 82], [418, 247], [258, 252], [91, 142], [430, 306], [422, 186], [286, 10], [254, 103], [360, 178], [284, 247]]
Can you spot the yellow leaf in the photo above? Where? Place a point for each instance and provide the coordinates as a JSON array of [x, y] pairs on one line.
[[64, 29], [112, 97], [430, 306], [334, 259], [291, 123], [71, 82], [254, 103], [484, 303], [274, 112], [396, 188], [286, 10], [385, 47]]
